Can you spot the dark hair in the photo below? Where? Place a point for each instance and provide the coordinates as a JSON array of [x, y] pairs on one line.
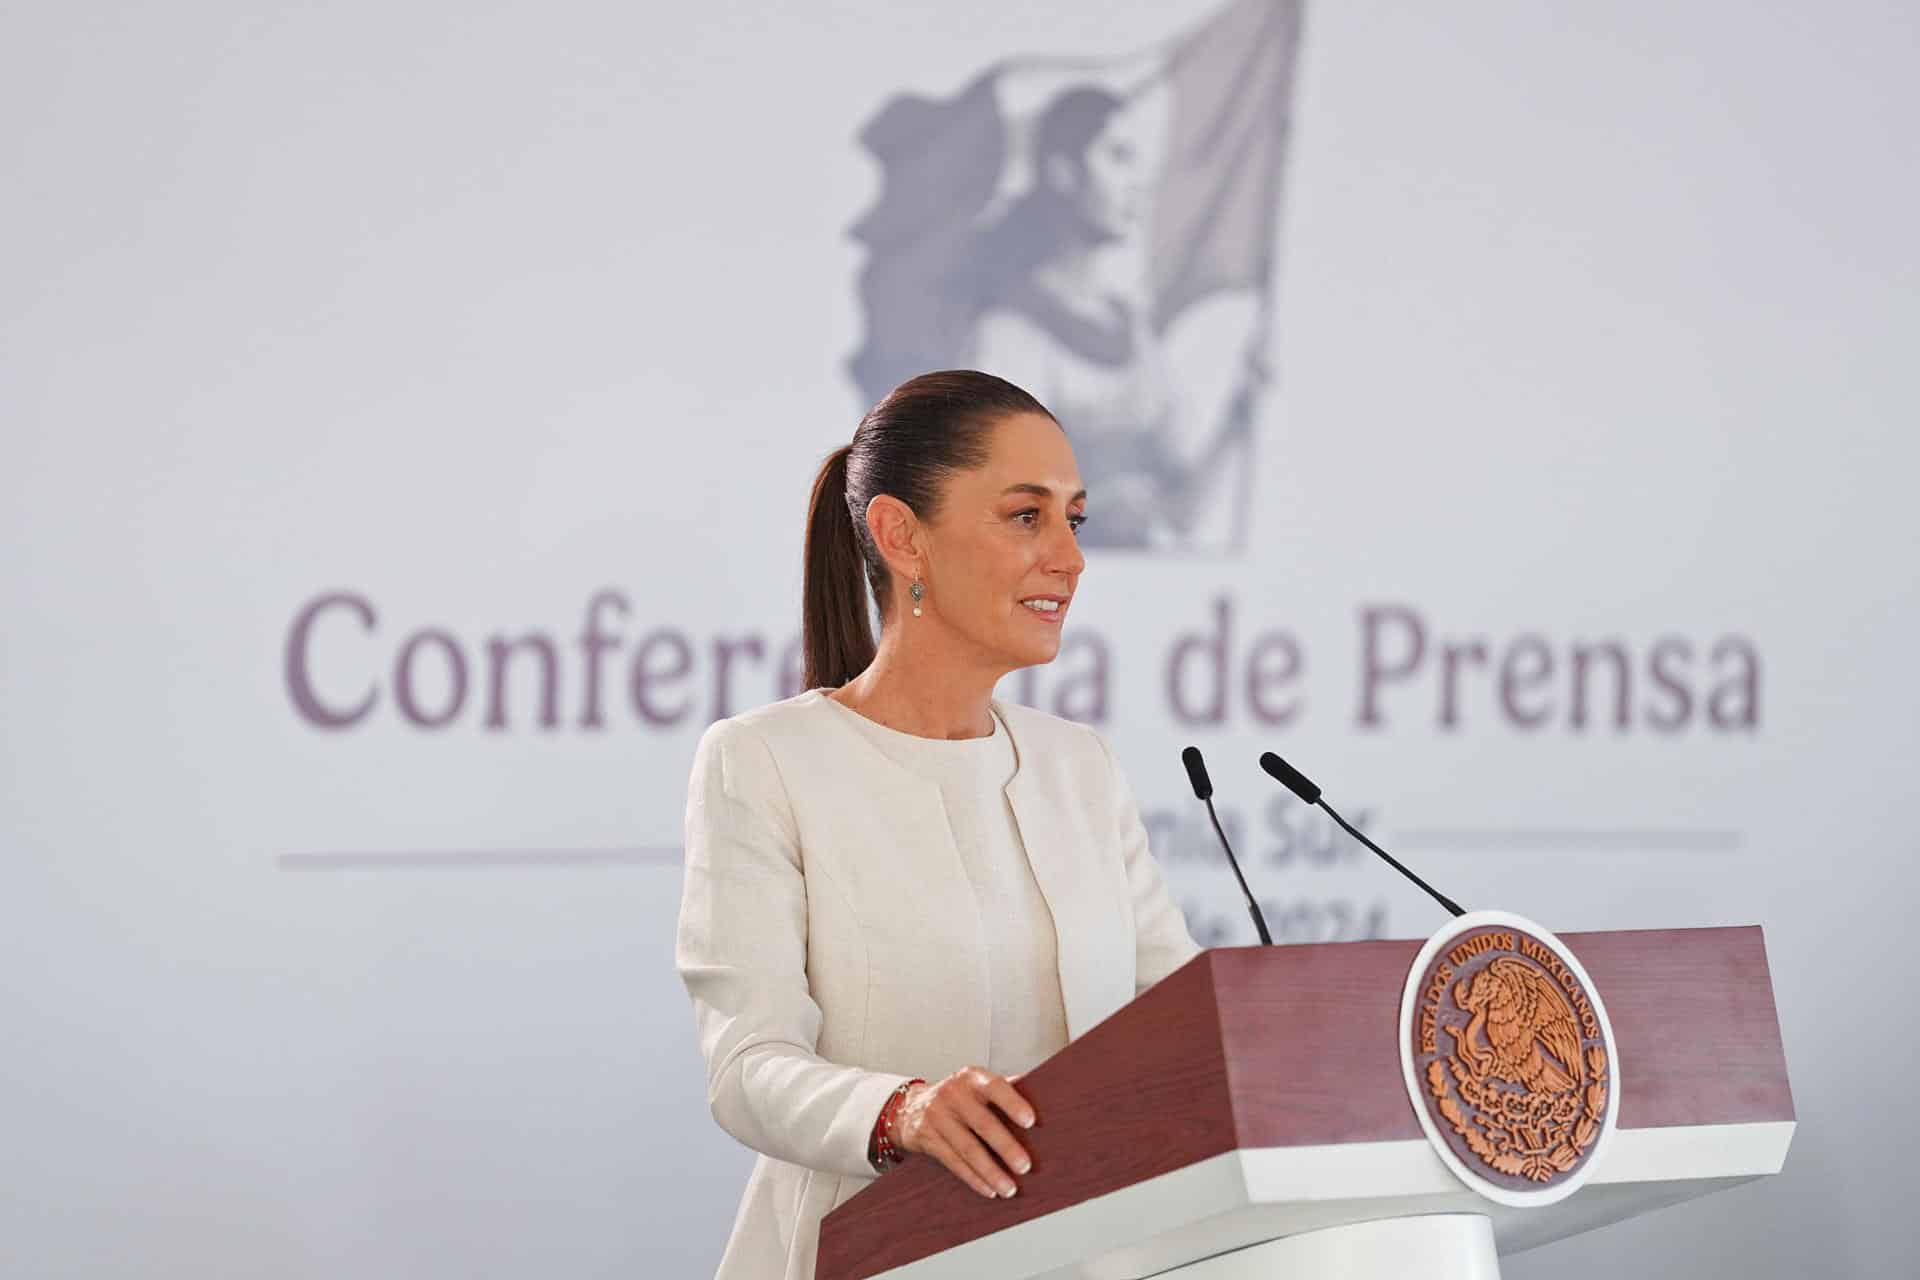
[[1072, 121], [922, 431]]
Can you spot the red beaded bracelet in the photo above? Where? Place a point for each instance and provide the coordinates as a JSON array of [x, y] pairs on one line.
[[885, 1153]]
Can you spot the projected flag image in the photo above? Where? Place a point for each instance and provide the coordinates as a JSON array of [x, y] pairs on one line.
[[1104, 233]]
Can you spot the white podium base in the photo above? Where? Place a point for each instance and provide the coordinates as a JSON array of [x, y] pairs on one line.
[[1240, 1201], [1439, 1246]]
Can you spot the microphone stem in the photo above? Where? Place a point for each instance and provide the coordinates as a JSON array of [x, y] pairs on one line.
[[1253, 908], [1353, 831]]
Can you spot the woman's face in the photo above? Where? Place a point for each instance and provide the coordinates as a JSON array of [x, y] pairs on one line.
[[1002, 554]]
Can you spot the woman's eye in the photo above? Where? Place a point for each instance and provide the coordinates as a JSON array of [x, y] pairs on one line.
[[1030, 516]]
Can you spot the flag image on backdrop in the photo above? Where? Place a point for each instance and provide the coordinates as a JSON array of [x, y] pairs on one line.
[[1102, 232]]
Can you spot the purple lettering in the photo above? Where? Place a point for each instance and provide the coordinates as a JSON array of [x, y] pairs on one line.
[[1375, 671], [456, 679], [1273, 664], [1211, 650], [645, 674], [593, 643], [299, 673]]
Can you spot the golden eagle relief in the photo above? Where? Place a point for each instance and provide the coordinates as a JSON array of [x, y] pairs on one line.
[[1531, 1036]]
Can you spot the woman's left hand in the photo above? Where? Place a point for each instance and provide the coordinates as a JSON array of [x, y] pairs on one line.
[[956, 1122]]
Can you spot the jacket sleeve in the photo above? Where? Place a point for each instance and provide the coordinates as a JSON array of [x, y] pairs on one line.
[[741, 949], [1162, 942]]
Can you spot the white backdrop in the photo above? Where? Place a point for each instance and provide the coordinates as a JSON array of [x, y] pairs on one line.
[[1592, 326]]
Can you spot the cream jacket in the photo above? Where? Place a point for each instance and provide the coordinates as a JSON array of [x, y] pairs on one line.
[[830, 943]]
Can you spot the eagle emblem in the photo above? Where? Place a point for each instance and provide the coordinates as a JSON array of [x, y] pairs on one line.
[[1530, 1036], [1509, 1058]]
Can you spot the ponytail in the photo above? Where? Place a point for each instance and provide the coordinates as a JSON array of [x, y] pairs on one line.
[[836, 637]]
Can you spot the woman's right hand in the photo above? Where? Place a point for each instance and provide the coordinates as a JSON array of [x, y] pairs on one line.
[[956, 1123]]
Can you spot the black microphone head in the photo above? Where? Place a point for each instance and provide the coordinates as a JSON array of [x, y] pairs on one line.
[[1289, 777], [1197, 773]]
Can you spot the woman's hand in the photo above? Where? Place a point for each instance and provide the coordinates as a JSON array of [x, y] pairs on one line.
[[956, 1123]]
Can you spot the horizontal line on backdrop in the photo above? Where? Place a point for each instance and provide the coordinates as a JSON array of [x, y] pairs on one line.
[[1465, 839], [469, 859], [1620, 839]]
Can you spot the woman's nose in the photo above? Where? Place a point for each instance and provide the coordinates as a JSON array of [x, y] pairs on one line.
[[1067, 556]]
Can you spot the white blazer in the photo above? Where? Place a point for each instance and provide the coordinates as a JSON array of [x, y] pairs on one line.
[[829, 939]]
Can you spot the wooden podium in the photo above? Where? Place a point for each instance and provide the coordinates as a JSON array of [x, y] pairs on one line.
[[1248, 1116]]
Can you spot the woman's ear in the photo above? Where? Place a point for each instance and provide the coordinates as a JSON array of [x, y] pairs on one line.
[[896, 533]]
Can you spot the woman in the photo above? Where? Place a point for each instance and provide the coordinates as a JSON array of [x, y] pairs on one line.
[[901, 892]]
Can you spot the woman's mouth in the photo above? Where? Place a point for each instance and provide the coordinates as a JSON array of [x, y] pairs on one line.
[[1046, 608]]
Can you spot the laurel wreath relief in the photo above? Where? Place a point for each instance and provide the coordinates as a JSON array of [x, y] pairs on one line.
[[1534, 1135]]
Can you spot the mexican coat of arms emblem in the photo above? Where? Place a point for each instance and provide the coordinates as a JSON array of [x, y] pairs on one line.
[[1509, 1058]]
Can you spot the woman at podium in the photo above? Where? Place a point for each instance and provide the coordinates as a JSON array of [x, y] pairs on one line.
[[901, 891]]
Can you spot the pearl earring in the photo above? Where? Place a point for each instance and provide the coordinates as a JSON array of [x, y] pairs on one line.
[[916, 591]]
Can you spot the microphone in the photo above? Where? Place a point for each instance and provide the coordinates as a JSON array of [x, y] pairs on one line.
[[1203, 791], [1298, 783]]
